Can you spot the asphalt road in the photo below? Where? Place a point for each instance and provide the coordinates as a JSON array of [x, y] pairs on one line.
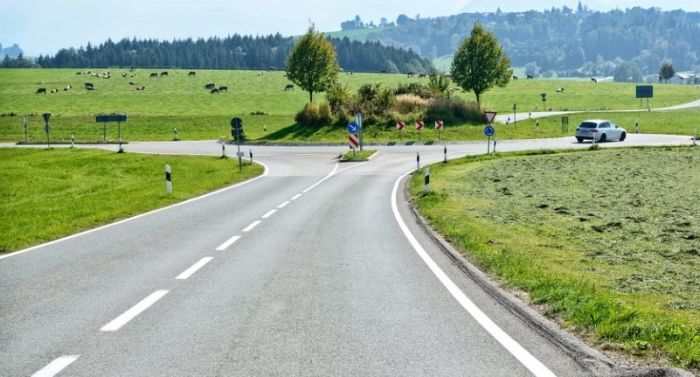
[[315, 269]]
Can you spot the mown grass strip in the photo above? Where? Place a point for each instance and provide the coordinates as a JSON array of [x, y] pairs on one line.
[[48, 194], [607, 240], [357, 155]]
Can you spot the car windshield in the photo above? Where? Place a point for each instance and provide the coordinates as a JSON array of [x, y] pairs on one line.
[[587, 125]]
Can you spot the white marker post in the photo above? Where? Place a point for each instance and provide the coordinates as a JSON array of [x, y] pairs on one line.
[[417, 160], [695, 137], [444, 151], [426, 174], [168, 180], [72, 141], [494, 145]]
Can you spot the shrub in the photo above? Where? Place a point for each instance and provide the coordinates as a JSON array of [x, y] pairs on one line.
[[410, 103], [414, 88], [314, 114], [339, 99], [373, 100], [453, 110]]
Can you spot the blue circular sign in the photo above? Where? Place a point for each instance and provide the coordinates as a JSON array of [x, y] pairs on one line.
[[489, 131], [353, 127]]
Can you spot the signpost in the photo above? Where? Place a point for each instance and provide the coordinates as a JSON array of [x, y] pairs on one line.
[[358, 120], [544, 101], [47, 129], [644, 91], [105, 118], [489, 130], [236, 129], [354, 140]]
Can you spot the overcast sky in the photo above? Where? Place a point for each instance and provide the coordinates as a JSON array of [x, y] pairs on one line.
[[44, 26]]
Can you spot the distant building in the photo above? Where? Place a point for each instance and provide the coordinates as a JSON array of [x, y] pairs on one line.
[[686, 77]]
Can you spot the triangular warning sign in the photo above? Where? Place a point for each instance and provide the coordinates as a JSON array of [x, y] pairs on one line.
[[490, 116]]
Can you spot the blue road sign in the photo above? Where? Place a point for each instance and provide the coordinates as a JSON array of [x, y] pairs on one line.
[[489, 131], [352, 128]]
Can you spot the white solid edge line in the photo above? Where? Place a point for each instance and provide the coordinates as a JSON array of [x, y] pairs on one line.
[[56, 366], [228, 243], [521, 354], [251, 226], [135, 310], [295, 197], [269, 213], [195, 267], [283, 204], [139, 216]]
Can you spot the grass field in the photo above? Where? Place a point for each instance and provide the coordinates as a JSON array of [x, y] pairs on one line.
[[181, 102], [607, 239], [50, 193]]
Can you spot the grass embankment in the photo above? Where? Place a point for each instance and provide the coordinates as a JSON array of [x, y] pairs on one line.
[[607, 240], [47, 194], [357, 155], [179, 101]]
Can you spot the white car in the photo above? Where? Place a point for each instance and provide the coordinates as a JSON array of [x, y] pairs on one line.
[[600, 130]]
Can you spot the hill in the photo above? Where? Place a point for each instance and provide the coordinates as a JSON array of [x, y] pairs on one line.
[[564, 42]]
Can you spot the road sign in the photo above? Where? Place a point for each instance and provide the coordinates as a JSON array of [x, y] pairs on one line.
[[419, 125], [111, 118], [353, 128], [490, 116], [645, 91], [400, 126], [489, 131], [354, 141], [236, 123], [438, 124], [46, 117]]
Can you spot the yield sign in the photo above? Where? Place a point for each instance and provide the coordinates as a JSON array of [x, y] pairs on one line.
[[490, 116]]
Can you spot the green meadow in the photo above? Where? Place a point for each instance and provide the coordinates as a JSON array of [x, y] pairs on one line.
[[180, 102]]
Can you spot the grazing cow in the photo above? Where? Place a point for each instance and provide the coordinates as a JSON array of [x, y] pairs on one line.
[[164, 73], [54, 91], [223, 88], [191, 74], [132, 83], [594, 80], [67, 88], [559, 90], [410, 74], [422, 75], [260, 73], [124, 75], [530, 77], [288, 87], [211, 85], [41, 90], [515, 77], [214, 91], [78, 73], [154, 74], [141, 88], [89, 86]]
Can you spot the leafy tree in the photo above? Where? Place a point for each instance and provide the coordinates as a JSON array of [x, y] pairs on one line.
[[666, 72], [312, 64], [480, 63]]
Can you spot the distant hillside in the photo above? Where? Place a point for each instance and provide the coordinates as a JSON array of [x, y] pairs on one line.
[[558, 41], [13, 51], [233, 52]]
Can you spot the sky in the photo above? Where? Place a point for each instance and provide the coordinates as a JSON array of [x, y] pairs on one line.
[[44, 26]]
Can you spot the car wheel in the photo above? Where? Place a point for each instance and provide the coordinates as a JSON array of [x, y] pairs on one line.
[[579, 139], [623, 136], [603, 138]]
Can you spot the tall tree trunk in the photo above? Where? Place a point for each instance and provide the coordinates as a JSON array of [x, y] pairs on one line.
[[311, 96]]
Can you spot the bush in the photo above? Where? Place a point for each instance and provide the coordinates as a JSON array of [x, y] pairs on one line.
[[453, 110], [414, 88], [410, 103], [339, 99], [314, 114]]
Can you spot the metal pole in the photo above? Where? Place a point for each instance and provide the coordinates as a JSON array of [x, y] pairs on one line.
[[488, 146]]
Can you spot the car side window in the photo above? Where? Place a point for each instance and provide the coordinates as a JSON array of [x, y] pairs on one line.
[[604, 125]]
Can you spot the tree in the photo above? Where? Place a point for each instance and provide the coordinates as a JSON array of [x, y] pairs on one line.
[[480, 63], [666, 72], [312, 64]]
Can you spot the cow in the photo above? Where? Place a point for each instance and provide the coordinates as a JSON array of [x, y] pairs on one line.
[[594, 80], [515, 77], [40, 90], [154, 74], [164, 73], [214, 91], [67, 88], [141, 88], [223, 88], [132, 83], [559, 90], [410, 74], [288, 87], [54, 91], [78, 73], [530, 77], [191, 74], [89, 86], [422, 75], [211, 85], [260, 73], [124, 75]]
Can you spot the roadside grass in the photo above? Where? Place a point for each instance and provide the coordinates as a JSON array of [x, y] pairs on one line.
[[607, 240], [48, 194], [181, 102], [357, 155]]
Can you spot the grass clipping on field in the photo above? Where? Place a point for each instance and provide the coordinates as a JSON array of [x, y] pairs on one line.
[[48, 194], [609, 240]]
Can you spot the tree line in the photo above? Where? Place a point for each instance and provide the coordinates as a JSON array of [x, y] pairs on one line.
[[563, 41], [232, 52]]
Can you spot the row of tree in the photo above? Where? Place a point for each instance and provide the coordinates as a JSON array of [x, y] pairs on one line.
[[232, 52], [563, 41]]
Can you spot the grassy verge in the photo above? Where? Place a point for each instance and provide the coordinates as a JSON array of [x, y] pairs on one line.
[[357, 155], [47, 194], [607, 239]]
